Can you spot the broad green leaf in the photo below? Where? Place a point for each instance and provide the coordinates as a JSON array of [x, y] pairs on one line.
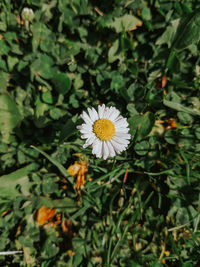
[[9, 116], [62, 83], [117, 82], [171, 137], [188, 31], [142, 148], [112, 53], [43, 66], [56, 113], [168, 36], [9, 182], [141, 126], [125, 23], [4, 78], [67, 130], [185, 118], [47, 97], [40, 33], [4, 48], [146, 13], [197, 132], [12, 61], [40, 119]]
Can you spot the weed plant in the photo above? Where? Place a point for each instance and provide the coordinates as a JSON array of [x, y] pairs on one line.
[[60, 205]]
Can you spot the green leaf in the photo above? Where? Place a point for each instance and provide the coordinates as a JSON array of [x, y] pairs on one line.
[[179, 107], [40, 34], [197, 132], [9, 182], [113, 54], [168, 36], [55, 113], [171, 137], [49, 187], [62, 83], [185, 118], [40, 107], [125, 23], [4, 78], [188, 31], [54, 162], [117, 82], [9, 116], [66, 203], [142, 148], [47, 97], [43, 66], [146, 13], [141, 126], [67, 130], [12, 61]]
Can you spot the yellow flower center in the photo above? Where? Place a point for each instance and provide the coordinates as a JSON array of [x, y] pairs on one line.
[[104, 129]]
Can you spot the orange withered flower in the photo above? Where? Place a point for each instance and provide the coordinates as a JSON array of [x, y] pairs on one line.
[[80, 169], [44, 215]]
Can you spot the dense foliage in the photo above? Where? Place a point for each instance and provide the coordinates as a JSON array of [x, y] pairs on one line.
[[59, 205]]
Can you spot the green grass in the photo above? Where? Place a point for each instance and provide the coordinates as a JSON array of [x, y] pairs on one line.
[[140, 208]]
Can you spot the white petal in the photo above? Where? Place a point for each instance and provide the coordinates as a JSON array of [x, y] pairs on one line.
[[120, 141], [100, 150], [92, 115], [111, 149], [107, 113], [121, 122], [95, 114], [119, 118], [101, 110], [86, 118], [105, 150], [122, 135], [118, 147], [85, 128], [89, 141], [86, 135], [96, 147], [115, 146], [121, 130], [114, 114], [88, 128], [83, 131]]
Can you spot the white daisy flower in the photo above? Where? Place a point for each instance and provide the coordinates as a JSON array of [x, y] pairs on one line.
[[106, 130]]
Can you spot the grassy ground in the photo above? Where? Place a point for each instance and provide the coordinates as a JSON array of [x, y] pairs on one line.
[[59, 204]]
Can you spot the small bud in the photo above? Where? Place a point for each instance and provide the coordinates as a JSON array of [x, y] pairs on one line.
[[27, 14]]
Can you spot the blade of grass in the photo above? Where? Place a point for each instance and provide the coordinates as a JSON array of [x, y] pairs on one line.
[[187, 167], [55, 163]]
